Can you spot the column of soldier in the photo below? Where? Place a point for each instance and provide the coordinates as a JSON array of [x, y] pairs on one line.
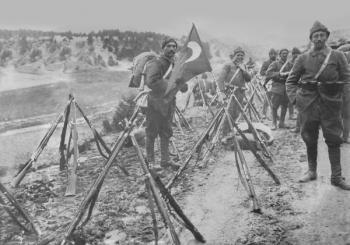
[[315, 81]]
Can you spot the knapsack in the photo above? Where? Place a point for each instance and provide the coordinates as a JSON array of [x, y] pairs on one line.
[[139, 66]]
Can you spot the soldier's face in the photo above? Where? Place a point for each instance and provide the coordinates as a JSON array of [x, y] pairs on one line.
[[238, 58], [319, 39], [170, 49], [284, 55], [273, 55]]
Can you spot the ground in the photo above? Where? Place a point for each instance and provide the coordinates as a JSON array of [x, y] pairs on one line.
[[211, 196]]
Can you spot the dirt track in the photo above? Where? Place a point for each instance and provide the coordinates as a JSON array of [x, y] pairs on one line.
[[213, 197]]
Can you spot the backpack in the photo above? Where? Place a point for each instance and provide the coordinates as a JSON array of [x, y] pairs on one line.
[[139, 66]]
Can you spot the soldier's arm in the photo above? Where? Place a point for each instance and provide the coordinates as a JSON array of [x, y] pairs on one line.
[[153, 77], [246, 76], [223, 77], [344, 68], [272, 71], [293, 79], [263, 69]]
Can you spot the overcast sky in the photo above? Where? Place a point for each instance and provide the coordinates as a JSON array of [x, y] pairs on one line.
[[285, 22]]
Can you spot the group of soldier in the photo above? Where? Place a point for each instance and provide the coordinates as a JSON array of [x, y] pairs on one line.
[[314, 81]]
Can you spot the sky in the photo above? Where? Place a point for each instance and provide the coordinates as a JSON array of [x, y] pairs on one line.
[[251, 21]]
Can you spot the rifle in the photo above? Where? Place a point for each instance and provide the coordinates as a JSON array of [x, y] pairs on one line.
[[95, 188], [23, 171], [21, 212], [196, 148], [253, 130], [155, 184], [72, 176]]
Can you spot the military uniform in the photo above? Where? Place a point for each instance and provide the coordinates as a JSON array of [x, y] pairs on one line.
[[265, 66], [159, 113], [262, 72], [225, 84], [206, 86], [320, 104], [278, 90]]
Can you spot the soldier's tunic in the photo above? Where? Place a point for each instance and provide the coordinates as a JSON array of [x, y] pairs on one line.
[[278, 90], [346, 105], [206, 87], [320, 104], [265, 66], [159, 113], [226, 83]]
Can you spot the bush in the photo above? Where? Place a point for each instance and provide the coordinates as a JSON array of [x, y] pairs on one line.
[[124, 110]]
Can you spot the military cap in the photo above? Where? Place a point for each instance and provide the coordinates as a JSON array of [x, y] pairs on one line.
[[168, 40], [318, 26]]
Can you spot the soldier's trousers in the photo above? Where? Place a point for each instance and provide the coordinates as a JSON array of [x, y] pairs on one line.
[[233, 111], [158, 124], [327, 116], [279, 100], [346, 111]]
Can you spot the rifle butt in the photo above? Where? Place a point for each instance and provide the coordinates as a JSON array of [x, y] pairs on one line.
[[72, 186], [21, 174]]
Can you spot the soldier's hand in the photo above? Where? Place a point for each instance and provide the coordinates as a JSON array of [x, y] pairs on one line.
[[242, 67], [179, 81], [184, 88], [284, 74], [221, 97]]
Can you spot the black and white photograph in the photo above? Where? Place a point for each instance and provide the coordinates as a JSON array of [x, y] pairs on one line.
[[179, 122]]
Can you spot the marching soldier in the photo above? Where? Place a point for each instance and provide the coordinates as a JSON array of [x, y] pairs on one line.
[[278, 72], [159, 113], [321, 73], [233, 78]]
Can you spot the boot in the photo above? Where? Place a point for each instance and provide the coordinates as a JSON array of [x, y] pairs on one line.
[[165, 161], [274, 119], [334, 158], [311, 174], [346, 131], [150, 154], [291, 112], [297, 126], [283, 117], [341, 184]]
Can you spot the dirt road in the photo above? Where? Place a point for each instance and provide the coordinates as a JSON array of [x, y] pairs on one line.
[[213, 198], [293, 213]]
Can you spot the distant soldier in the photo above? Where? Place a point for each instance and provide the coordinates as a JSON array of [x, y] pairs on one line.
[[321, 73], [263, 69], [203, 89], [278, 72], [295, 53], [233, 78], [159, 113]]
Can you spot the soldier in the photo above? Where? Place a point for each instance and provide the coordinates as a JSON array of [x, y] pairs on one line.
[[346, 97], [233, 76], [295, 53], [278, 72], [321, 73], [205, 87], [265, 65], [159, 113]]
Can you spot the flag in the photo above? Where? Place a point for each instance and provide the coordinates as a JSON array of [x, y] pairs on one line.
[[190, 62]]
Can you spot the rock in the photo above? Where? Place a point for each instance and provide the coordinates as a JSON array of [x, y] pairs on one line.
[[141, 209], [114, 237]]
